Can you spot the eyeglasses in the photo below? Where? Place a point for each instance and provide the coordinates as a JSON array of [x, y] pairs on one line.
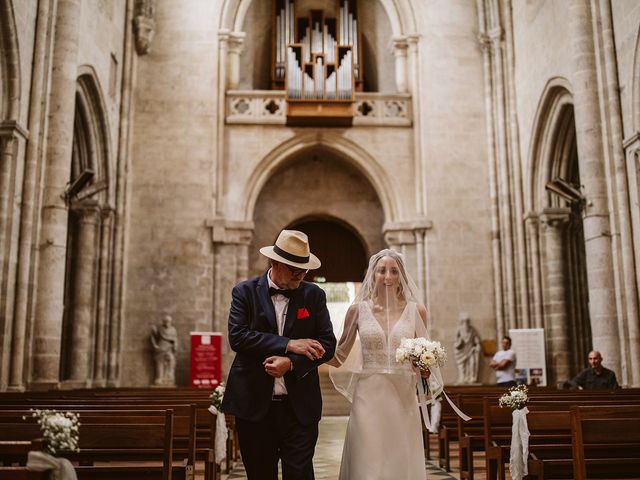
[[296, 271]]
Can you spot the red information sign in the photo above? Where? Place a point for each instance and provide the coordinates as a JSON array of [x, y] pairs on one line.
[[206, 359]]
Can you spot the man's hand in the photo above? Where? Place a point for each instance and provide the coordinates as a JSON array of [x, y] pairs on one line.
[[312, 349], [277, 366]]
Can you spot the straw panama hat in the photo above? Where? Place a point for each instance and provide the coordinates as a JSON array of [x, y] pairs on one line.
[[292, 248]]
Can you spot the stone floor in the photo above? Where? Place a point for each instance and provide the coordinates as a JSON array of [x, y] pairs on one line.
[[329, 451]]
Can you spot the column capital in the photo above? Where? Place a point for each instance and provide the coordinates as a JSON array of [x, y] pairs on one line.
[[236, 42], [405, 232], [231, 232], [555, 217], [400, 44], [11, 129]]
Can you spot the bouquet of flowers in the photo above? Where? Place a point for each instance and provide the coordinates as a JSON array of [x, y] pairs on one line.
[[216, 396], [421, 353], [59, 429], [516, 398]]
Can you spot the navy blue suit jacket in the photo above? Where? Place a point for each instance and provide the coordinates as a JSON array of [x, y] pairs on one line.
[[253, 335]]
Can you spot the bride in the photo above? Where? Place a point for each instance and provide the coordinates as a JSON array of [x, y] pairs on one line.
[[384, 434]]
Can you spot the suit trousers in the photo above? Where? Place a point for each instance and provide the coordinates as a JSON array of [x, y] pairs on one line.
[[278, 436]]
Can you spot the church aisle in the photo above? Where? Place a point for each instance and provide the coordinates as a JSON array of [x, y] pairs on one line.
[[329, 452]]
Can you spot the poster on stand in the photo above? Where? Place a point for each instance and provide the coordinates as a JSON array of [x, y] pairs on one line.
[[206, 359], [531, 367]]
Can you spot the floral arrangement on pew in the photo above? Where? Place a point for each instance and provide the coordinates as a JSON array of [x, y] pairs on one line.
[[61, 433], [517, 398], [60, 430], [222, 432], [217, 395]]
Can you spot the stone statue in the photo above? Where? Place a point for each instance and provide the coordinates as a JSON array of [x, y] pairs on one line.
[[164, 339], [467, 351]]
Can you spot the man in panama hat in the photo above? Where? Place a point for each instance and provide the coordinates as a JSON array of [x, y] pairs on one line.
[[280, 329]]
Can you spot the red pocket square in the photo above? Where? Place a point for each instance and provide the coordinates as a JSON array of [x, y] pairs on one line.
[[302, 313]]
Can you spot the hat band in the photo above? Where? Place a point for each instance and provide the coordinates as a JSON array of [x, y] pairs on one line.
[[289, 256]]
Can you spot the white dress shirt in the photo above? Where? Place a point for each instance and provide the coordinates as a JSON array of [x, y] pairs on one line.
[[280, 304]]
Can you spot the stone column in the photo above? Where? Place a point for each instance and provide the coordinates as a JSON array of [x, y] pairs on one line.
[[231, 240], [103, 292], [235, 46], [10, 188], [554, 221], [532, 222], [400, 47], [84, 295], [53, 234], [597, 230], [496, 247]]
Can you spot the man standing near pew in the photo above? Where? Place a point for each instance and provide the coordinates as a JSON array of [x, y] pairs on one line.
[[595, 376], [504, 363], [280, 329]]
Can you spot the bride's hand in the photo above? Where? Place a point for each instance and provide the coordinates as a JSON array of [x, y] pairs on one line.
[[425, 373]]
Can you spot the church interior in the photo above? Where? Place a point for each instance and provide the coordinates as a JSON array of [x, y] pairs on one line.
[[150, 148]]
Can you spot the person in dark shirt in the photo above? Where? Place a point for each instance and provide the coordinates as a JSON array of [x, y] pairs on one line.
[[596, 377]]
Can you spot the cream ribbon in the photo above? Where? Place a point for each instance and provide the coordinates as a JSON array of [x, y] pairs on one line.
[[220, 442], [61, 468], [519, 444], [422, 402]]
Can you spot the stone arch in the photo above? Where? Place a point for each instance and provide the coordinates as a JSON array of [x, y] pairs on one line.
[[551, 112], [9, 64], [349, 151], [89, 246], [558, 243], [91, 127], [317, 184], [400, 13]]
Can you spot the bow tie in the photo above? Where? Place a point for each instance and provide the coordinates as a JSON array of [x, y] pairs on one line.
[[277, 291]]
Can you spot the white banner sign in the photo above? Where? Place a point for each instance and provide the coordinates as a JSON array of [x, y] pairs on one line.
[[528, 343]]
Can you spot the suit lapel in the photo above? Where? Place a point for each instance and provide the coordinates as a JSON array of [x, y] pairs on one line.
[[265, 301], [294, 304]]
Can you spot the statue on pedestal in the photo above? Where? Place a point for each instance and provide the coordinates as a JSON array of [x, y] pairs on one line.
[[467, 351], [164, 339]]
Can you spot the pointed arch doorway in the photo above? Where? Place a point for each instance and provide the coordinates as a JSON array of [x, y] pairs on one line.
[[339, 248]]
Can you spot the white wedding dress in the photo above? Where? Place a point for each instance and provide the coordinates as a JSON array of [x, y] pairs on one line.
[[384, 433]]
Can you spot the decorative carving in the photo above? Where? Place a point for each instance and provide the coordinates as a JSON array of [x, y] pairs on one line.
[[144, 25]]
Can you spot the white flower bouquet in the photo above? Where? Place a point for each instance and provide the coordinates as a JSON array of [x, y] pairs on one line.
[[516, 398], [421, 353], [216, 396], [59, 429]]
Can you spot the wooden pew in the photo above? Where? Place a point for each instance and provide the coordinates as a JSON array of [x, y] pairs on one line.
[[129, 448], [606, 440]]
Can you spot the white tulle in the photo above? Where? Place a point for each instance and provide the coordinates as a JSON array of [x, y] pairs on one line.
[[220, 442], [519, 444], [61, 468]]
